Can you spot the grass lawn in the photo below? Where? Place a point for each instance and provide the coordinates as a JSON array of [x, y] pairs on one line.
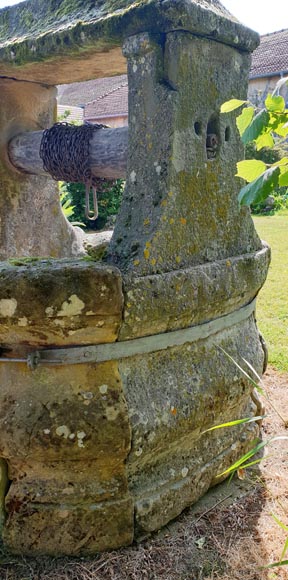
[[272, 304]]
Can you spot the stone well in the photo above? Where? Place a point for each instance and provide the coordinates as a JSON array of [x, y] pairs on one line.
[[102, 431]]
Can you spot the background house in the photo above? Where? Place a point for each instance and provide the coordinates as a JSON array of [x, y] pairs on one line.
[[269, 64], [101, 100]]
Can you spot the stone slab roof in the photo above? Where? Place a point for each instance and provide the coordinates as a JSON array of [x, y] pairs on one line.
[[271, 56], [55, 41]]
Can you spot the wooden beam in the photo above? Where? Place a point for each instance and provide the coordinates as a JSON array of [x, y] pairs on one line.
[[108, 153]]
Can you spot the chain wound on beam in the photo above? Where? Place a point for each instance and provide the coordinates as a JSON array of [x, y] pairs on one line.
[[107, 153]]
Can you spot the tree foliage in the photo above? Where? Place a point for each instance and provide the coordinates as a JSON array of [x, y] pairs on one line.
[[263, 129]]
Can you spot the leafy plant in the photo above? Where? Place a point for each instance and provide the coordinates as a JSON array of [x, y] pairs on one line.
[[247, 460], [262, 128], [109, 200]]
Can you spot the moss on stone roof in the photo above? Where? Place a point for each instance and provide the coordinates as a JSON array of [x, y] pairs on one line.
[[47, 32]]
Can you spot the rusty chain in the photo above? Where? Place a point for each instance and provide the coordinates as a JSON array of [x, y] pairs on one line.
[[64, 151]]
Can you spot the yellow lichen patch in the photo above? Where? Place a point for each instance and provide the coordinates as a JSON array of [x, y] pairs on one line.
[[228, 263], [170, 193], [164, 203], [146, 254], [178, 259], [146, 222], [153, 262], [148, 244], [136, 262], [171, 221], [183, 221]]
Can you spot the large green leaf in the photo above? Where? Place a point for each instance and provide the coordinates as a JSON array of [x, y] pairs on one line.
[[282, 161], [283, 179], [250, 169], [256, 127], [258, 190], [265, 140], [244, 120], [275, 104], [231, 105]]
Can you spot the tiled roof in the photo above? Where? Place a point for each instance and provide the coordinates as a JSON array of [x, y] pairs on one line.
[[271, 56], [111, 104], [75, 113], [81, 93]]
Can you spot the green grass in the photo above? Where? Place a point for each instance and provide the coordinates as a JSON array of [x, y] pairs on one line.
[[272, 303]]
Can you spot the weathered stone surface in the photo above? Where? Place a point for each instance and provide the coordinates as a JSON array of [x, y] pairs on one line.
[[65, 431], [66, 529], [59, 303], [32, 223], [172, 398], [49, 32], [182, 298], [180, 208]]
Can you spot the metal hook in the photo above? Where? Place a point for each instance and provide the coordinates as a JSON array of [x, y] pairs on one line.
[[94, 217]]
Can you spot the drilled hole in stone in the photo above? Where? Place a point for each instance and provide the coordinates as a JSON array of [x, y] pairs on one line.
[[198, 128], [212, 137], [227, 133]]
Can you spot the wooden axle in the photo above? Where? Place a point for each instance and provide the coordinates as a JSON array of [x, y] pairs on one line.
[[108, 153]]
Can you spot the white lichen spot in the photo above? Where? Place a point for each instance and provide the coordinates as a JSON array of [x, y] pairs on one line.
[[103, 389], [135, 67], [70, 332], [63, 431], [100, 323], [46, 431], [49, 311], [80, 436], [23, 321], [8, 306], [111, 413], [87, 395], [72, 307], [59, 322], [133, 176], [139, 451], [184, 471], [90, 313], [158, 169], [72, 436]]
